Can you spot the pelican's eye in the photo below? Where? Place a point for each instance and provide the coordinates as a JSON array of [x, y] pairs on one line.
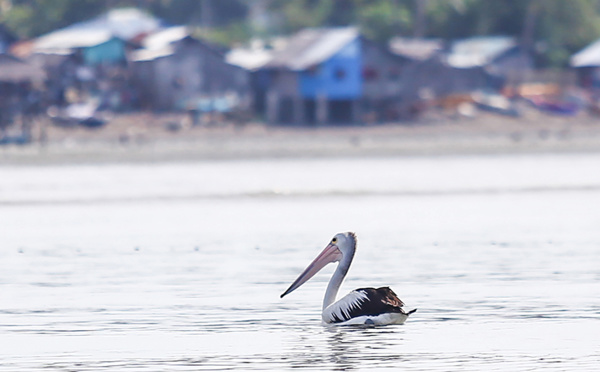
[[334, 240]]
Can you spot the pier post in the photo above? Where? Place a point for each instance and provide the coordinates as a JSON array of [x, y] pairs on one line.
[[272, 107], [322, 108], [299, 110]]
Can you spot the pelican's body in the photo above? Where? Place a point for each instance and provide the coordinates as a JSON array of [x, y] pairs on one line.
[[378, 306]]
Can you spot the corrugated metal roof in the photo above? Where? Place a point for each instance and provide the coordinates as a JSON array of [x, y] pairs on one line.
[[160, 44], [415, 48], [142, 55], [121, 23], [478, 51], [65, 40], [250, 59], [162, 38], [124, 23], [312, 46], [587, 57]]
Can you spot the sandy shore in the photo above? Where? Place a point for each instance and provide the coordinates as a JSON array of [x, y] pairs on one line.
[[169, 137]]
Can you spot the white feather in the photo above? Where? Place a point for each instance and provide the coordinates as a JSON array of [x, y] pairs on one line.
[[341, 309]]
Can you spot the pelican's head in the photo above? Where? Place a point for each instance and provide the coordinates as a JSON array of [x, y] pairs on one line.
[[345, 243], [341, 247]]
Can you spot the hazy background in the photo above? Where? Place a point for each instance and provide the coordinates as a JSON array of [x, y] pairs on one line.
[[554, 28]]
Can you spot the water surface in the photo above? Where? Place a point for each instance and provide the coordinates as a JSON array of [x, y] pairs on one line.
[[180, 266]]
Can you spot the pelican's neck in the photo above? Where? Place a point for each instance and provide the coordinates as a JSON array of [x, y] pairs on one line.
[[336, 280]]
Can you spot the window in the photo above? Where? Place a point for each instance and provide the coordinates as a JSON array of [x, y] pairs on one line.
[[370, 73], [339, 73], [313, 70]]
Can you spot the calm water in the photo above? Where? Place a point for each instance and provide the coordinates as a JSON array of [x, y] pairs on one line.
[[180, 266]]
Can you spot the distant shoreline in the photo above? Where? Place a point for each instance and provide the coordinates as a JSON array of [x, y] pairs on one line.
[[143, 138]]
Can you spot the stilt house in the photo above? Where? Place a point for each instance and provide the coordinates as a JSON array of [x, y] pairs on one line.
[[330, 76]]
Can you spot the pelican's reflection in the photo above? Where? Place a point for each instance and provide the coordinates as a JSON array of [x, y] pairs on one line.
[[343, 352], [352, 346], [346, 347]]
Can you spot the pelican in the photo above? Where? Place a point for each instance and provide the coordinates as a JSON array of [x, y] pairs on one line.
[[377, 306]]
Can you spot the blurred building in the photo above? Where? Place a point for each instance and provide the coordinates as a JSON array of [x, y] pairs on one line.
[[586, 63], [20, 85], [442, 70], [500, 55], [329, 76], [175, 71], [416, 49], [88, 60], [7, 38], [101, 40]]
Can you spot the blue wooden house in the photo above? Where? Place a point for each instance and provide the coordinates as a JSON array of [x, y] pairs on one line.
[[329, 76]]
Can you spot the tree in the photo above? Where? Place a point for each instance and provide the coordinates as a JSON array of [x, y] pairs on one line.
[[565, 27], [29, 18], [554, 28]]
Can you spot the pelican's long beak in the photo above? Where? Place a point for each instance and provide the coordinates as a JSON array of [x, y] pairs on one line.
[[331, 253]]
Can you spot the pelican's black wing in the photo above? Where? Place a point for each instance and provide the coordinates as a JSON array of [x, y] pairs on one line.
[[364, 302]]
